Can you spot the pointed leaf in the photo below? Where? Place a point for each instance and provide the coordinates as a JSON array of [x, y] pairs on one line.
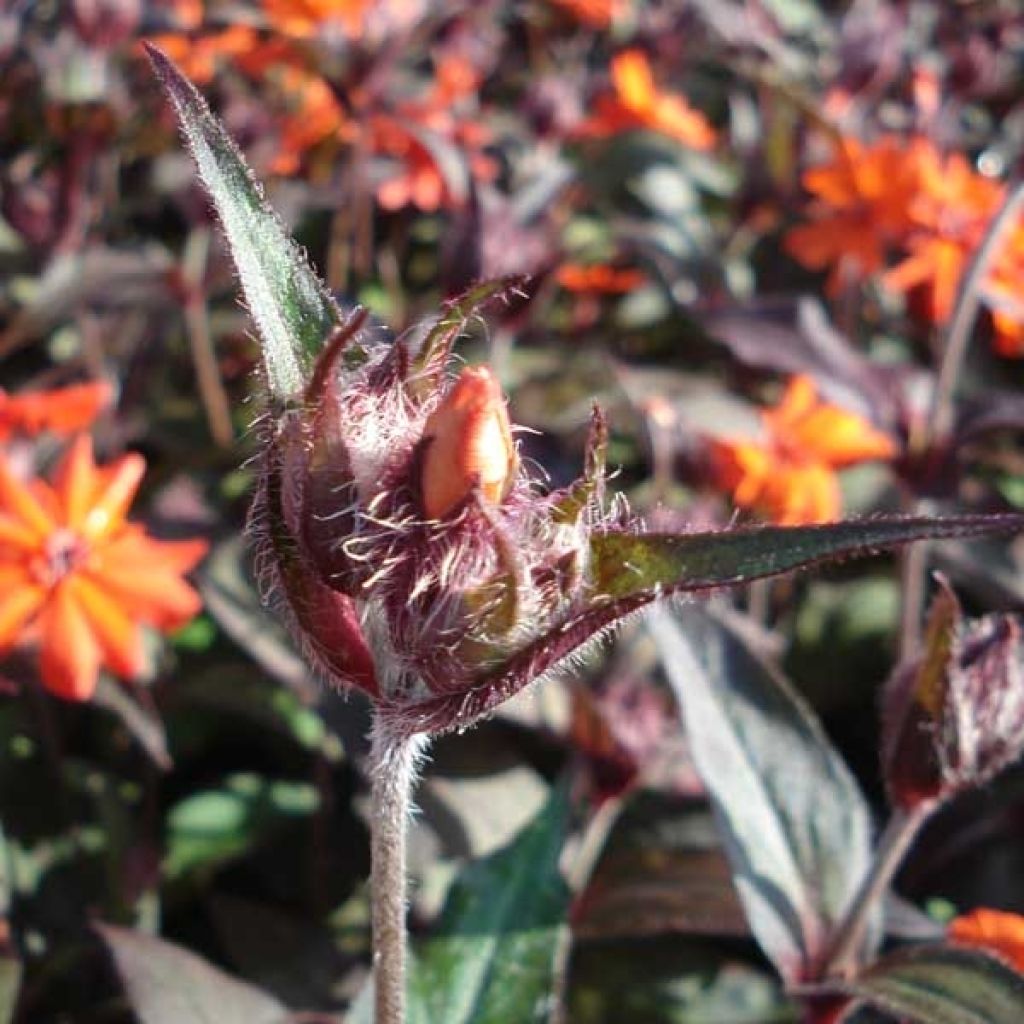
[[627, 564], [292, 308], [795, 826], [166, 984], [942, 985]]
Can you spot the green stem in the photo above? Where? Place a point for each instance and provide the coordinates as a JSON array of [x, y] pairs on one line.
[[393, 761]]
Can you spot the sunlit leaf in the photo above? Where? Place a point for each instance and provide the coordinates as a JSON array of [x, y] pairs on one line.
[[291, 306], [169, 985], [627, 564], [794, 824]]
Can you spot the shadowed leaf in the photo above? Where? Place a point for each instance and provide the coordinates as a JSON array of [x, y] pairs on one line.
[[795, 826], [291, 306], [169, 985]]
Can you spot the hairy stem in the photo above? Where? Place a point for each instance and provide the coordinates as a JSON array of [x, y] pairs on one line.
[[393, 760], [899, 833]]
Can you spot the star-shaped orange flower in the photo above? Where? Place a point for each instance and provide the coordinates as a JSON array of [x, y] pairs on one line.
[[77, 580], [861, 206], [638, 103], [789, 475]]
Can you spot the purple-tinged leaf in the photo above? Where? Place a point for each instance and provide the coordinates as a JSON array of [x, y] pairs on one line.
[[626, 564], [795, 336], [942, 985], [169, 985], [291, 306], [795, 826]]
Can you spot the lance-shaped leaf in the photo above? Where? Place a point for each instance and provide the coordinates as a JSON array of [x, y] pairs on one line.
[[629, 571], [292, 308], [942, 985], [627, 564], [795, 827]]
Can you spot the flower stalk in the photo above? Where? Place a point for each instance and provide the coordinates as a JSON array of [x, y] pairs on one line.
[[393, 761], [842, 954]]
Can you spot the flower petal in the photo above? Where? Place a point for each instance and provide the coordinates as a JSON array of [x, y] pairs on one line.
[[76, 481], [19, 501], [111, 504], [118, 636], [70, 656], [19, 601]]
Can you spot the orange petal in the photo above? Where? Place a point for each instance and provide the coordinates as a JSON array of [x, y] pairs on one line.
[[18, 603], [118, 636], [156, 595], [995, 930], [15, 534], [75, 482], [18, 500], [116, 495], [70, 654], [631, 75]]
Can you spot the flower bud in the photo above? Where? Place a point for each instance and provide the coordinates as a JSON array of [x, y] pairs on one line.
[[954, 716], [411, 554], [467, 445]]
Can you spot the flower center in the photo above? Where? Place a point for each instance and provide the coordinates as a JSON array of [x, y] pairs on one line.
[[63, 553]]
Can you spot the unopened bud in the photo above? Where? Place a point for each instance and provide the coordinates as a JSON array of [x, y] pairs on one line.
[[954, 717], [467, 445]]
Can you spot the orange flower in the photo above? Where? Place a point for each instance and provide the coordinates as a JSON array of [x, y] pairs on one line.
[[995, 930], [304, 19], [598, 278], [60, 411], [417, 179], [79, 580], [861, 205], [637, 103], [790, 474], [592, 13], [200, 57], [949, 215]]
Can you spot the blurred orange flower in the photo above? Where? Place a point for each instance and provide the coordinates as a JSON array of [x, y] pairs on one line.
[[996, 930], [949, 214], [789, 475], [860, 207], [637, 103], [598, 278], [78, 580], [304, 19], [200, 57], [592, 13], [60, 410]]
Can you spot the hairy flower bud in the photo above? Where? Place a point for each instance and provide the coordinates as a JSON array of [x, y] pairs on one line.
[[468, 445], [954, 716], [414, 557]]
